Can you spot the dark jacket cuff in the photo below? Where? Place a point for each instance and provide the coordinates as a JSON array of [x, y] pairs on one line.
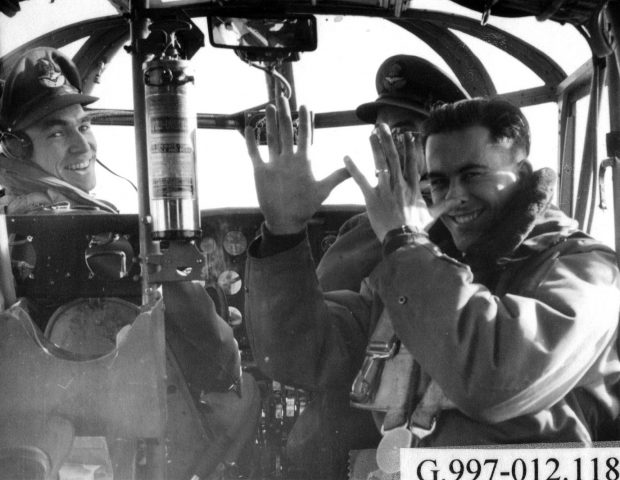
[[271, 244], [401, 236]]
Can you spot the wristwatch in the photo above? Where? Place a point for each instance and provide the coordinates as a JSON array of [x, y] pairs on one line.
[[401, 236]]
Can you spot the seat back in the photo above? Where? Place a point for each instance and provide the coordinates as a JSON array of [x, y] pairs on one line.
[[120, 393]]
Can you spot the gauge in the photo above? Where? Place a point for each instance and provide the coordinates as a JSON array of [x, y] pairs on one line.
[[234, 316], [235, 242], [230, 282], [208, 245]]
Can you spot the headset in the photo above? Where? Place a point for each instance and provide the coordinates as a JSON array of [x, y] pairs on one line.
[[15, 145]]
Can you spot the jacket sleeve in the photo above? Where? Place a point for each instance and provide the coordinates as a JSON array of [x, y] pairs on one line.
[[299, 335], [351, 258], [203, 343], [501, 357]]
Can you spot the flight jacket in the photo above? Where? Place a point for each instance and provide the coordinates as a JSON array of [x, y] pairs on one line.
[[520, 332]]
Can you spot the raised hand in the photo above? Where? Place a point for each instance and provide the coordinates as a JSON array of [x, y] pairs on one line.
[[288, 193], [393, 202]]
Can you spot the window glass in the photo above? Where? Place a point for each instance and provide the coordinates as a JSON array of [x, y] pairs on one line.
[[603, 220], [340, 74], [603, 224], [543, 120], [225, 171], [116, 150], [563, 43], [225, 177], [37, 17]]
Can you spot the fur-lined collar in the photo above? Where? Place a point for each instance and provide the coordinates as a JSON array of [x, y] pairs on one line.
[[529, 224]]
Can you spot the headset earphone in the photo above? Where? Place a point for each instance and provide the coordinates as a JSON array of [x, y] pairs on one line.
[[15, 145]]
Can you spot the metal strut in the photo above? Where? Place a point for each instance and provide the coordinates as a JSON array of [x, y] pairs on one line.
[[613, 138]]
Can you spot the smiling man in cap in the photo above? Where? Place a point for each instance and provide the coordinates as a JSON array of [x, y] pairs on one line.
[[48, 149]]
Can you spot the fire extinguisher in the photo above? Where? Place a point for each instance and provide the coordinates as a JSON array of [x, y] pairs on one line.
[[171, 148]]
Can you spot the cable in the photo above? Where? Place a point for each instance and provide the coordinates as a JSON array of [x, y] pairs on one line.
[[116, 174], [288, 91]]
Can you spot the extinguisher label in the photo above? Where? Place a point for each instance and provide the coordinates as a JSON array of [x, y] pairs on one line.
[[171, 146], [172, 178], [173, 187], [167, 124]]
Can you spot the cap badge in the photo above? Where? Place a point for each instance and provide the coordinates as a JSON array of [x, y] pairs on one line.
[[393, 79], [49, 74]]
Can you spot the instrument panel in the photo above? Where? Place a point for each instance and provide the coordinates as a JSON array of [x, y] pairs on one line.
[[60, 257]]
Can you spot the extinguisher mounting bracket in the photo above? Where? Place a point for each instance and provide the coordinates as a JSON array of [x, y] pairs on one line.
[[178, 261], [173, 36]]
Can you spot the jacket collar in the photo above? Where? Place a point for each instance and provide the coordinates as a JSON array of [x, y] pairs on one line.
[[529, 224], [20, 178]]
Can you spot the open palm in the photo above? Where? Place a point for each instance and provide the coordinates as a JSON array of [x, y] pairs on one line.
[[288, 193]]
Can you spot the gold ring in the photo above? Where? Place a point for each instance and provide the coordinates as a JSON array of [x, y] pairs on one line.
[[381, 170]]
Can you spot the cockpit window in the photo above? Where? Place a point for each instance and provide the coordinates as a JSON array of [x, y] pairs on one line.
[[338, 76]]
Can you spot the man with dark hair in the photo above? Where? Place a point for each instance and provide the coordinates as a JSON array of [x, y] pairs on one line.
[[501, 118], [509, 312]]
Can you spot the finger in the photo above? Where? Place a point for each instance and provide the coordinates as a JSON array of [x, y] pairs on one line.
[[305, 130], [410, 158], [358, 176], [377, 150], [416, 168], [273, 140], [285, 124], [250, 142], [332, 181], [381, 166], [412, 168], [389, 149]]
